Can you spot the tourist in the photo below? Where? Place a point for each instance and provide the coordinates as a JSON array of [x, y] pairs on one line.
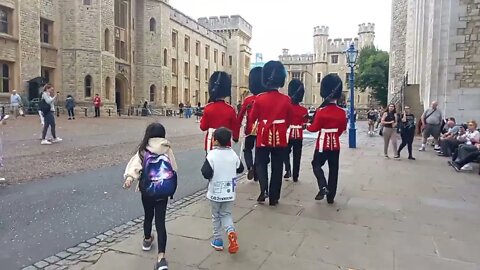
[[70, 106], [449, 136], [472, 138], [198, 112], [15, 104], [463, 164], [47, 107], [180, 109], [431, 125], [372, 118], [389, 122], [97, 103], [407, 131], [221, 168], [153, 143]]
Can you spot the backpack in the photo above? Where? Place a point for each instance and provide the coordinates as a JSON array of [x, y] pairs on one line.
[[44, 107], [158, 179]]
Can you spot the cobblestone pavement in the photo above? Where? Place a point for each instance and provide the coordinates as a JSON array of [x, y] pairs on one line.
[[88, 143]]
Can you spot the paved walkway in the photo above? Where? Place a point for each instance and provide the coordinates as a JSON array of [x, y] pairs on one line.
[[389, 214]]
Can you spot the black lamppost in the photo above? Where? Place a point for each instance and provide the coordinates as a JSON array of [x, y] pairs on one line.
[[352, 54]]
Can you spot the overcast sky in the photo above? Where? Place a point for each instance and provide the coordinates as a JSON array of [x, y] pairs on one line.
[[279, 24]]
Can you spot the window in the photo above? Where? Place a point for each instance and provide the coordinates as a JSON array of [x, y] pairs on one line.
[[297, 75], [47, 74], [5, 15], [319, 77], [152, 93], [174, 39], [215, 56], [88, 86], [197, 72], [197, 48], [186, 96], [206, 74], [165, 94], [87, 2], [187, 70], [107, 40], [108, 85], [174, 95], [174, 66], [223, 59], [46, 31], [165, 57], [187, 44], [347, 78], [207, 52], [121, 13], [247, 62], [230, 60], [5, 77], [153, 25], [335, 59], [206, 97]]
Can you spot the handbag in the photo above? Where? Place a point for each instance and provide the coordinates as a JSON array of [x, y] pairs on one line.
[[20, 111]]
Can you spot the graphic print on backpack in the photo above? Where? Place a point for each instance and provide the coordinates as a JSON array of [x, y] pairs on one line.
[[159, 180]]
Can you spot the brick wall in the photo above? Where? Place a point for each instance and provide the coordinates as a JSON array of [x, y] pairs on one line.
[[470, 75]]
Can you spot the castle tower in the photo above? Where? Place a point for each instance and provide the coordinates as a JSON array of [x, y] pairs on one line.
[[366, 34], [320, 66], [320, 43]]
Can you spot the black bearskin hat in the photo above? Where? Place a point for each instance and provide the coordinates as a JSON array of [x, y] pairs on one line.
[[296, 91], [331, 87], [273, 75], [219, 85], [255, 81]]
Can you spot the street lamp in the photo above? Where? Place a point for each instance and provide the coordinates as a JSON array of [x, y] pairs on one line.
[[352, 54]]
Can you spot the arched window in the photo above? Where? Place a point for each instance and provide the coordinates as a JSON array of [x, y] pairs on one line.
[[165, 57], [152, 93], [88, 86], [107, 40], [107, 87], [153, 25], [165, 95]]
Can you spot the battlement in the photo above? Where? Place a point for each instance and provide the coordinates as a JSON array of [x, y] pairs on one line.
[[296, 58], [366, 28], [188, 22], [340, 44], [234, 22], [320, 30]]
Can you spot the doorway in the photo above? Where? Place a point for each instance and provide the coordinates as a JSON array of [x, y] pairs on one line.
[[121, 93]]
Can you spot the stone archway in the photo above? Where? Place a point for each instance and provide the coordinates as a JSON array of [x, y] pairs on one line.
[[121, 92]]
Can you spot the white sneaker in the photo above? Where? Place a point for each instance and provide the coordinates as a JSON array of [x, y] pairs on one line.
[[56, 140], [45, 142], [422, 148], [467, 167]]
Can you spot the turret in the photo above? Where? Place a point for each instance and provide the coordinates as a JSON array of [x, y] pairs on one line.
[[366, 34], [320, 43]]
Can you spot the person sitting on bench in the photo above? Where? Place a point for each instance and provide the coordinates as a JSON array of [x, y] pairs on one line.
[[461, 165]]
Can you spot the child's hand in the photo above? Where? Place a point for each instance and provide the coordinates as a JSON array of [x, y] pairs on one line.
[[128, 183]]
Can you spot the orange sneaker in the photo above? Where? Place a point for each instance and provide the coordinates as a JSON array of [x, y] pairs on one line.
[[232, 240]]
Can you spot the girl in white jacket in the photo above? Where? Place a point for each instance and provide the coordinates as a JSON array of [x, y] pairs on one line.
[[154, 141]]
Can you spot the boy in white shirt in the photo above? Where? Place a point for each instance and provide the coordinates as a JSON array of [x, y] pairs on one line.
[[221, 168]]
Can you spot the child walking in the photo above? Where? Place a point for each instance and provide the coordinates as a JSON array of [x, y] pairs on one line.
[[153, 144], [221, 168]]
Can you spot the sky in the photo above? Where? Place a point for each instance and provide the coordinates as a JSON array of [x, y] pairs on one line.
[[279, 24]]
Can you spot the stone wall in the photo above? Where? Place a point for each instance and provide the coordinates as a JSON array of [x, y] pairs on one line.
[[397, 46], [470, 75]]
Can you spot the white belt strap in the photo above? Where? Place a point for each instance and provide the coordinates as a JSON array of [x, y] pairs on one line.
[[275, 121], [210, 139]]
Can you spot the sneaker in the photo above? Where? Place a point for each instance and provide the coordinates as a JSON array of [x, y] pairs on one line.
[[161, 265], [250, 174], [287, 175], [217, 244], [45, 142], [57, 140], [436, 148], [422, 149], [467, 167], [147, 244], [454, 165], [397, 157], [232, 243]]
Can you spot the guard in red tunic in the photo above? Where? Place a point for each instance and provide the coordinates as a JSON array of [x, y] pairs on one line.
[[296, 91], [255, 85], [218, 113], [272, 111], [330, 122]]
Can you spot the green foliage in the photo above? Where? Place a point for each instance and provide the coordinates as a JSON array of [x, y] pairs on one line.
[[372, 72]]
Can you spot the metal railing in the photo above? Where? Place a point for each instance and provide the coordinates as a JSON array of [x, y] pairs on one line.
[[399, 97]]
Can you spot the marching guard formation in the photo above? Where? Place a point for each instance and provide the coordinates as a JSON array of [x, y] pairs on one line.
[[274, 126]]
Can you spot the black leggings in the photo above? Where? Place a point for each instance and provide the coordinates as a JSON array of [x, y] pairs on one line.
[[407, 140], [158, 209], [71, 113]]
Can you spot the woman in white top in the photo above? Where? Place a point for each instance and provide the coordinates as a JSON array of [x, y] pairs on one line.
[[472, 137]]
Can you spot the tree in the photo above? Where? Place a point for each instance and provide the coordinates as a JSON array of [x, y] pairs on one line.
[[372, 72]]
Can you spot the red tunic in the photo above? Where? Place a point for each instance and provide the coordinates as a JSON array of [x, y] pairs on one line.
[[272, 110], [299, 117], [215, 115], [250, 128], [331, 122], [97, 102]]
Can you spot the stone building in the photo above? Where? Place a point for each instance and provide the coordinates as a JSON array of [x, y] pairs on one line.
[[435, 55], [127, 51], [328, 57]]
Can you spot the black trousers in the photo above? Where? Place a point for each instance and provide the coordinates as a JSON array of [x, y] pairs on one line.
[[158, 209], [71, 113], [248, 151], [319, 159], [263, 155], [294, 146], [407, 140], [97, 111]]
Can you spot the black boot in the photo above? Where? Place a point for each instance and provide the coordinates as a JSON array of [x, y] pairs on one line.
[[321, 194]]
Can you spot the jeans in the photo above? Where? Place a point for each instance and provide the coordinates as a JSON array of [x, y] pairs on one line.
[[319, 159], [49, 121], [158, 209], [71, 113], [222, 216], [464, 150], [97, 111], [471, 157]]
